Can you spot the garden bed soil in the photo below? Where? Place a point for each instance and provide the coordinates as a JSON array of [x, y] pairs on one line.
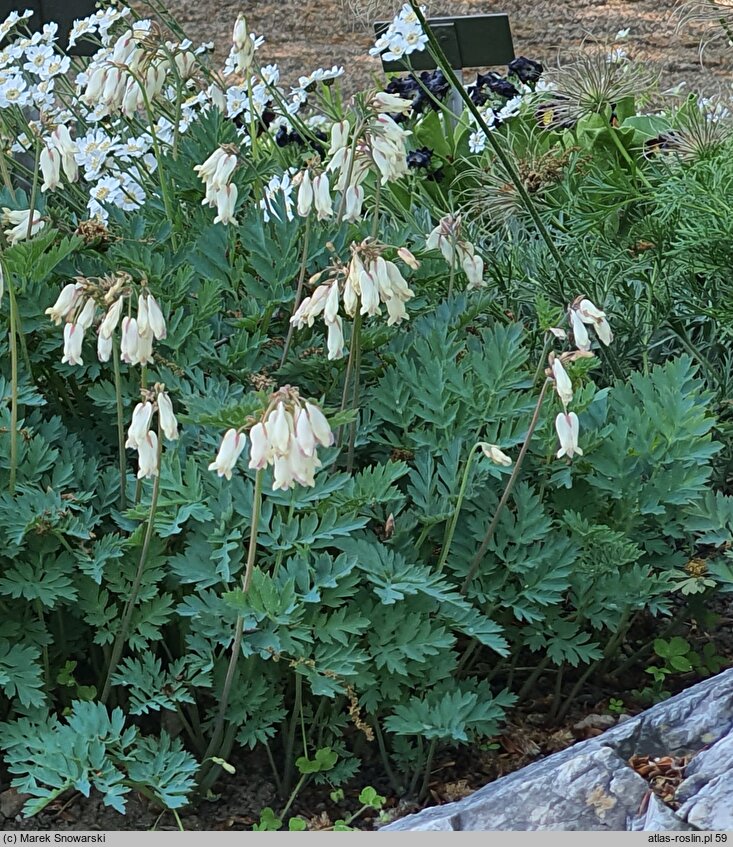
[[302, 35]]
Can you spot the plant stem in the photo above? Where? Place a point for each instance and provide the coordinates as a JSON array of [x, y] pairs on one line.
[[507, 491], [457, 511], [13, 339], [397, 785], [213, 747], [627, 158], [290, 743], [299, 291], [120, 424], [135, 590], [428, 769]]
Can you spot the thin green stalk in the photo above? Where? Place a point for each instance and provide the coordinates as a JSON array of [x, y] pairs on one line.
[[13, 339], [428, 770], [627, 158], [493, 142], [457, 511], [300, 783], [120, 424], [213, 747], [121, 638], [6, 173], [507, 491], [290, 742], [396, 784], [299, 290], [354, 342], [34, 192]]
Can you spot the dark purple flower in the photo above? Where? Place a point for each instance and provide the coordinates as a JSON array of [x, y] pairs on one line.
[[527, 70], [419, 158]]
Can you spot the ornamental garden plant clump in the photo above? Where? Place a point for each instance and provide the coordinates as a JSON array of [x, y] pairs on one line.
[[337, 434]]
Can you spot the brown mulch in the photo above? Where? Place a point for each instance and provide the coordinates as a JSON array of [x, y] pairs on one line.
[[302, 35]]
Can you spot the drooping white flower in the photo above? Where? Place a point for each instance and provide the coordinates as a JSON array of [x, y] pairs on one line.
[[335, 338], [243, 45], [129, 341], [259, 453], [592, 315], [18, 221], [65, 303], [156, 319], [320, 426], [496, 454], [322, 197], [566, 426], [73, 339], [111, 319], [226, 200], [354, 202], [580, 333], [384, 102], [104, 347], [167, 418], [140, 424], [147, 453], [563, 385], [305, 195], [473, 267], [229, 451], [85, 317], [50, 161]]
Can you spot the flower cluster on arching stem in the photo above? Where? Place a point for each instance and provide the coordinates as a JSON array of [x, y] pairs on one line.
[[366, 283], [286, 436]]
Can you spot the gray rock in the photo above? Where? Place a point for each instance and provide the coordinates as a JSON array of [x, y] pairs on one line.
[[658, 818], [707, 792], [590, 786]]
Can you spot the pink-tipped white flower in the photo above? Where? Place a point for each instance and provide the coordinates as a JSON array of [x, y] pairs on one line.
[[167, 418], [156, 319], [65, 303], [226, 200], [50, 162], [229, 451], [147, 454], [144, 355], [19, 221], [322, 197], [85, 317], [73, 339], [320, 426], [129, 341], [111, 319], [354, 202], [384, 102], [305, 195], [563, 385], [473, 267], [592, 315], [139, 425], [142, 314], [260, 450], [497, 456], [580, 333], [408, 258], [280, 428], [335, 338], [566, 426], [339, 137]]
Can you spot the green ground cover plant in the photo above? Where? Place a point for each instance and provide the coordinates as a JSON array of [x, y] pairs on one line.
[[394, 415]]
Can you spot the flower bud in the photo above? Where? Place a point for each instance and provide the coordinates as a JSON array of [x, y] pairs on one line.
[[147, 452], [566, 426], [73, 338]]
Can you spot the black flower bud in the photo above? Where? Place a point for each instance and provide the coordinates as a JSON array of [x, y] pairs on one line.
[[527, 70]]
